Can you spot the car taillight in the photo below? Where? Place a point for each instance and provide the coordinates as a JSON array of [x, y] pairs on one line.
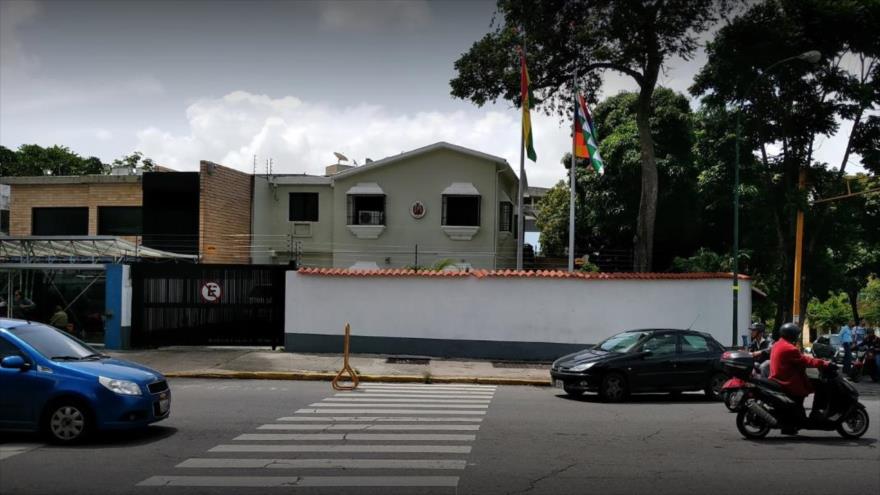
[[726, 355]]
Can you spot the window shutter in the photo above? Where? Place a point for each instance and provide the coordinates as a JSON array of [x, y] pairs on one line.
[[350, 210]]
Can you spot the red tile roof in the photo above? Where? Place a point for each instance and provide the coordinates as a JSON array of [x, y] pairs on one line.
[[400, 272]]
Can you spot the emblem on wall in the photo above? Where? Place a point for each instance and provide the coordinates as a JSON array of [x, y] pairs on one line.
[[418, 210]]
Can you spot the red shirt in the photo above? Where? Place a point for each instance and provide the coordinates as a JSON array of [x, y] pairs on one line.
[[788, 367]]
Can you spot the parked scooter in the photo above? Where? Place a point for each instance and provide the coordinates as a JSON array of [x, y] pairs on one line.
[[766, 406], [863, 364]]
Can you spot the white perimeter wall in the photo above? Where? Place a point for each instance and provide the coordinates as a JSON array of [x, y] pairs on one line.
[[570, 311]]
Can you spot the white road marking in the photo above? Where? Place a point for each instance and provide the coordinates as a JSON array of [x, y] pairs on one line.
[[378, 437], [417, 395], [397, 449], [416, 401], [378, 419], [429, 385], [368, 427], [409, 404], [386, 411], [8, 450], [323, 463], [427, 390], [295, 481]]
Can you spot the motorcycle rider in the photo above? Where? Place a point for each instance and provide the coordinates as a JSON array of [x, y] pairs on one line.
[[788, 368]]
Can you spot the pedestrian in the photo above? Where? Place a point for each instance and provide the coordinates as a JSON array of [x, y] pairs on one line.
[[22, 306], [846, 341], [860, 331], [59, 318]]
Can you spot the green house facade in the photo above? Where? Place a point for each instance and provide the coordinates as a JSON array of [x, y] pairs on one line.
[[440, 204]]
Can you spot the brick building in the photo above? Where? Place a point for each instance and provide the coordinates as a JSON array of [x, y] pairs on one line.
[[207, 213]]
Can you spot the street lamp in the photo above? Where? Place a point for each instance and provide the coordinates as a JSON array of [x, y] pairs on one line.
[[811, 57]]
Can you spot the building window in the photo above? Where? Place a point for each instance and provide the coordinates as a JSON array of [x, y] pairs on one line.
[[366, 209], [505, 217], [60, 221], [4, 221], [120, 220], [303, 207], [461, 211]]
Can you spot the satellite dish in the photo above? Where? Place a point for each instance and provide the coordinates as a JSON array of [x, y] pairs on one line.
[[340, 157]]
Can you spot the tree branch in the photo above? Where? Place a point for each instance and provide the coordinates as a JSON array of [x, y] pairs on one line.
[[619, 68]]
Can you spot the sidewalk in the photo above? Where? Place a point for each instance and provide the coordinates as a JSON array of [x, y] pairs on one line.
[[252, 362]]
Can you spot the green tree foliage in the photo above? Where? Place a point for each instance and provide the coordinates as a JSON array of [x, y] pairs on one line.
[[607, 206], [827, 316], [785, 115], [870, 302], [32, 159], [134, 162], [633, 37]]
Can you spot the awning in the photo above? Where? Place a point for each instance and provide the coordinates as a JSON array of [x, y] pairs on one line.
[[77, 250], [366, 188], [461, 189]]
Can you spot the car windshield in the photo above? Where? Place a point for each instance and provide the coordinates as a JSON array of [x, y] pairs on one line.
[[52, 343], [621, 342], [835, 339]]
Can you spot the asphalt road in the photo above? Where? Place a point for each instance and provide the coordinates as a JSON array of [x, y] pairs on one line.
[[243, 437]]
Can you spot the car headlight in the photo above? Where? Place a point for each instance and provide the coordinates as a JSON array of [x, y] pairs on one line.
[[122, 387], [582, 367]]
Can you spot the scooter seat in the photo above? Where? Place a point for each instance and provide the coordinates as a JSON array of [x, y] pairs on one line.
[[766, 382]]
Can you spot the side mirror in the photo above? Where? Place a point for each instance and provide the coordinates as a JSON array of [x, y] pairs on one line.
[[647, 353], [14, 362]]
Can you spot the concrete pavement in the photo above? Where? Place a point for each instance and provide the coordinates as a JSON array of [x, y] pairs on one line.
[[252, 362]]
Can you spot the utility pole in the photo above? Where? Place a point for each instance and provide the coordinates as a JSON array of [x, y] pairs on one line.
[[798, 254], [572, 179], [520, 235]]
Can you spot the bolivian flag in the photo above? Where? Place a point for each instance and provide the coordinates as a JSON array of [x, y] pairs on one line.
[[585, 139], [526, 94]]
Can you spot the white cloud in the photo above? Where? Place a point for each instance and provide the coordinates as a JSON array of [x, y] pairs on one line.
[[372, 16], [301, 136]]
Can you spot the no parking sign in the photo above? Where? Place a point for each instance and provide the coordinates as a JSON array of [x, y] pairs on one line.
[[211, 292]]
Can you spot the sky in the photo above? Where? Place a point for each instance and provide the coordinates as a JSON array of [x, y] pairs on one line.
[[291, 80]]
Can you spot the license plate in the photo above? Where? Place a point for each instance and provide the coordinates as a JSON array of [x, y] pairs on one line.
[[558, 383]]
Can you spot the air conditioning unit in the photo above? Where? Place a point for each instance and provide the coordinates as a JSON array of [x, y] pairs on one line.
[[370, 218]]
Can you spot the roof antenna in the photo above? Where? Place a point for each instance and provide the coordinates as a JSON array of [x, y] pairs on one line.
[[692, 323]]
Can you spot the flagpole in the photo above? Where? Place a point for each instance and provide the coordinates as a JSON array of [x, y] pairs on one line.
[[572, 178], [520, 235]]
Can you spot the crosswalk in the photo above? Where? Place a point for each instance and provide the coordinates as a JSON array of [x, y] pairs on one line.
[[381, 436]]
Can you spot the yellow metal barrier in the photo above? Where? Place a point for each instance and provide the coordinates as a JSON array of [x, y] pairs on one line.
[[345, 366]]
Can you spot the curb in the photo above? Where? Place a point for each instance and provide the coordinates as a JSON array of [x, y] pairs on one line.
[[324, 376]]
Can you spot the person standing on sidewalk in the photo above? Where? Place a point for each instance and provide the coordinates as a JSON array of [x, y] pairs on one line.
[[59, 318], [846, 340], [860, 331]]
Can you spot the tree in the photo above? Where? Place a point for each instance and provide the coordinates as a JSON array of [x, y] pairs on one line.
[[870, 302], [32, 159], [792, 106], [134, 161], [607, 206], [830, 314], [632, 37]]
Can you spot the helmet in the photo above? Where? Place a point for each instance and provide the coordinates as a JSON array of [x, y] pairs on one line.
[[757, 327], [789, 332]]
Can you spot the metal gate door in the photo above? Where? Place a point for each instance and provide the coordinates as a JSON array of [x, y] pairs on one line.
[[179, 304]]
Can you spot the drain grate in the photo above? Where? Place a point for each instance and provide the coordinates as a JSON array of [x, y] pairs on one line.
[[407, 360]]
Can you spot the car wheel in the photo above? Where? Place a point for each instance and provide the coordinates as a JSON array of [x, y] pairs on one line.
[[67, 421], [715, 385], [855, 425], [613, 388]]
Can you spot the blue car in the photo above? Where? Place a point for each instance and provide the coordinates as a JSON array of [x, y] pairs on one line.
[[56, 384]]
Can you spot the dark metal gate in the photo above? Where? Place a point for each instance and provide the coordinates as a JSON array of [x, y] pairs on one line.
[[181, 304]]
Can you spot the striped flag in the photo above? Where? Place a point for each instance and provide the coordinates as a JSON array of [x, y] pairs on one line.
[[585, 138], [525, 94]]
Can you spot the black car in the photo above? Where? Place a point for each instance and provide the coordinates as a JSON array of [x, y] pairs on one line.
[[659, 360]]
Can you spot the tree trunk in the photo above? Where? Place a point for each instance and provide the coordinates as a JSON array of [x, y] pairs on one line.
[[854, 303], [643, 243]]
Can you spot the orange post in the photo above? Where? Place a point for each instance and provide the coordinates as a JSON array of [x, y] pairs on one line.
[[798, 256], [345, 366]]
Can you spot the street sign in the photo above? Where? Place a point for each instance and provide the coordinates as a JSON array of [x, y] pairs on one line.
[[211, 292]]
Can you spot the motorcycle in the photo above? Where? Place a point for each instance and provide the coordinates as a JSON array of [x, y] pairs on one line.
[[863, 364], [766, 406], [732, 393]]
